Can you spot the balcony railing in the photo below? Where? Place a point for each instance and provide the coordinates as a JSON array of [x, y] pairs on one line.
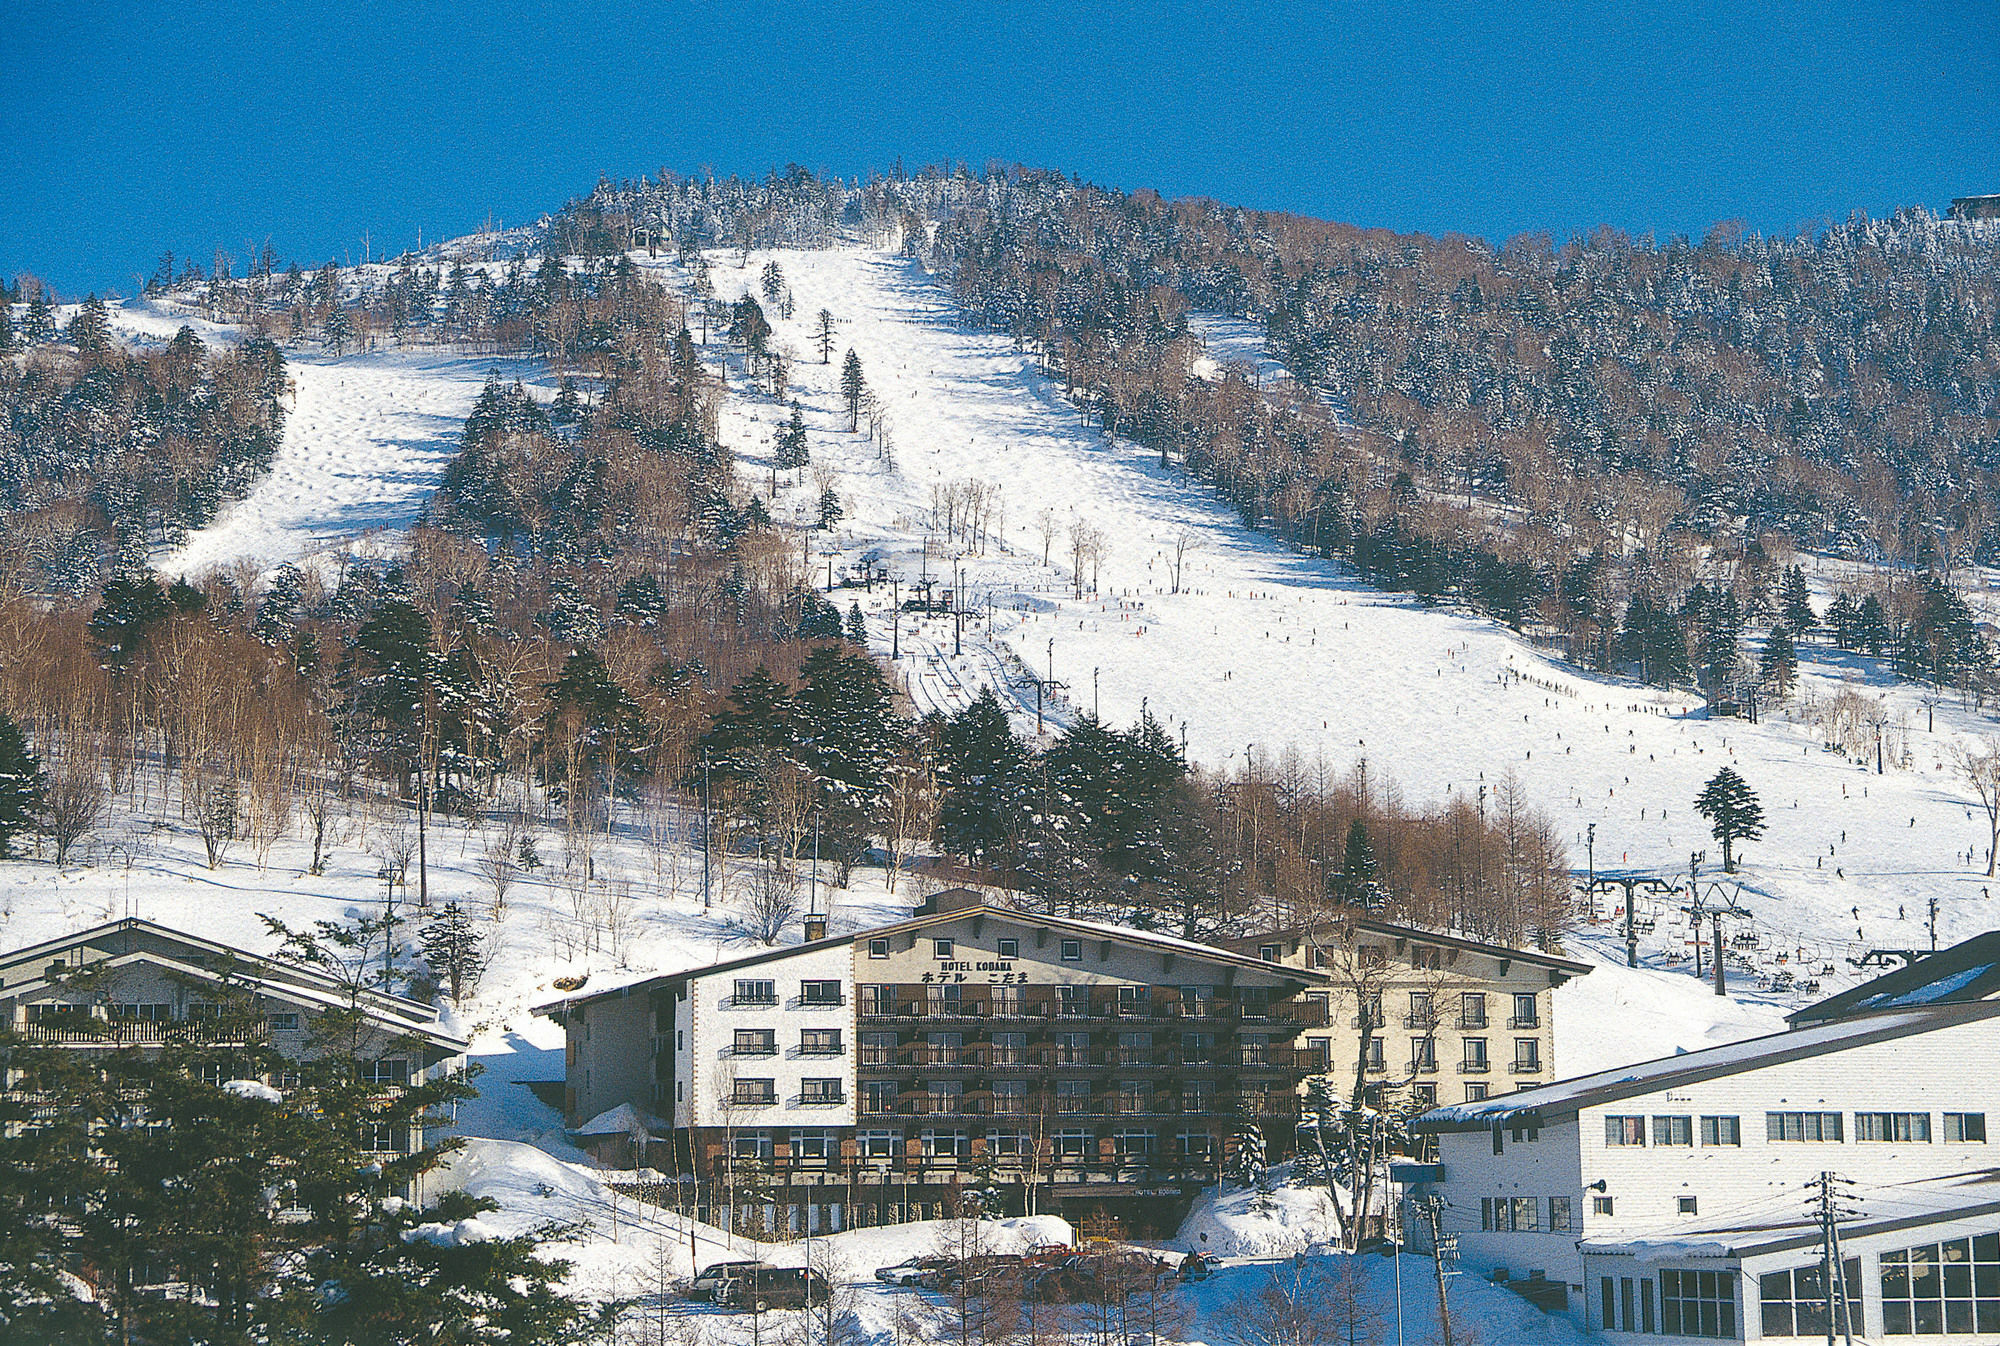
[[1523, 1022], [822, 1099], [1468, 1023], [1425, 1021], [904, 1004], [1474, 1067], [147, 1032], [1525, 1067], [1423, 1067]]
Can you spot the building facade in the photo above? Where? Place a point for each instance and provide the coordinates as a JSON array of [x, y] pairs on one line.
[[1067, 1066], [134, 983], [1451, 1019], [1671, 1198]]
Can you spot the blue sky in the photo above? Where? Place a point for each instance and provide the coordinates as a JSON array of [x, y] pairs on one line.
[[131, 128]]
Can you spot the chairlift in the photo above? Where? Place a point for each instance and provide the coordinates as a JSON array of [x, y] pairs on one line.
[[1811, 987]]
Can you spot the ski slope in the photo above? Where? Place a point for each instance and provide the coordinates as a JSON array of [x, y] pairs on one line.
[[366, 438], [1266, 653]]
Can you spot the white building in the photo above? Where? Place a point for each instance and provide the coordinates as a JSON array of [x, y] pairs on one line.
[[1669, 1197]]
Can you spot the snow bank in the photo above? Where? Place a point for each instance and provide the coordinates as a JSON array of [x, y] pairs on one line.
[[256, 1089], [1243, 1222], [442, 1235]]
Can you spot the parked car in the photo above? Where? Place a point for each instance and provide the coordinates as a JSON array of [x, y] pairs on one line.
[[1096, 1276], [909, 1271], [986, 1270], [752, 1285]]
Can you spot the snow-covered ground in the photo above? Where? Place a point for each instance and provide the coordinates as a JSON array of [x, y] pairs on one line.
[[1264, 652], [366, 438]]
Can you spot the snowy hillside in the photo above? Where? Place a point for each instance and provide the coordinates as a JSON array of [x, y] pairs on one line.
[[1267, 652]]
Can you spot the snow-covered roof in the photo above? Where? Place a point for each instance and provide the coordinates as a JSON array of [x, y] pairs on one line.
[[1967, 971], [623, 1120], [632, 985], [1566, 1097], [1782, 1220], [1446, 938], [266, 976]]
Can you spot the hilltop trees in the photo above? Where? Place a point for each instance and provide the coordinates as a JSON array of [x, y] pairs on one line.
[[1733, 812], [22, 785], [853, 387]]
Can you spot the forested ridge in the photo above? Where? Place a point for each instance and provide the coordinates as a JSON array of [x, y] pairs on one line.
[[1585, 441]]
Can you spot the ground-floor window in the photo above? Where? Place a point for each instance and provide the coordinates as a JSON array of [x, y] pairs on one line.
[[1698, 1303], [1627, 1303], [1793, 1303], [1942, 1288]]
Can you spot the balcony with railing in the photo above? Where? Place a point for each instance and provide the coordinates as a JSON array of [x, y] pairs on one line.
[[1531, 1066], [84, 1031], [918, 1004], [1522, 1023], [1479, 1067]]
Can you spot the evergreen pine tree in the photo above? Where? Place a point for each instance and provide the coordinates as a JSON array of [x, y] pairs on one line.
[[1795, 603], [1248, 1163], [1843, 615], [772, 283], [830, 511], [454, 950], [338, 334], [1733, 813], [852, 386], [823, 335], [38, 327], [792, 452], [1354, 883], [857, 626], [1780, 661], [9, 342], [90, 330], [980, 769], [23, 785]]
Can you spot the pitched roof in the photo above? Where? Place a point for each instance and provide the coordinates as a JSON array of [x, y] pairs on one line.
[[270, 976], [1067, 924], [1967, 971], [1565, 1098], [1447, 939]]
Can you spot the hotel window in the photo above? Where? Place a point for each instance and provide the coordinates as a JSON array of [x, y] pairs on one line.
[[753, 1145], [821, 1091], [1072, 1049], [1076, 1144], [284, 1023], [1527, 1056], [1135, 1096], [755, 993], [1624, 1130], [1005, 1142], [1893, 1126], [1698, 1303], [1254, 1049], [1072, 1002], [1426, 956], [876, 1001], [384, 1138], [1793, 1303], [1526, 1215], [1010, 1049], [1559, 1216], [1475, 1092], [1721, 1131], [1010, 948], [1197, 1097], [1423, 1054], [1475, 1055], [1197, 1001], [821, 993], [944, 1143], [1420, 1015], [819, 1042], [1267, 953], [1073, 1096], [1424, 1095], [1319, 1055], [1673, 1131], [1005, 1002], [1802, 1126], [1600, 1205], [1135, 1001], [944, 1095], [813, 1144], [1969, 1127], [941, 948], [878, 1049], [755, 1093], [388, 1070], [1072, 951], [878, 1096], [1136, 1144], [878, 948], [1197, 1144], [943, 1049], [1527, 1014], [1376, 1061], [1135, 1049], [756, 1042], [1197, 1049], [1010, 1097], [1685, 1205], [1472, 1010], [1943, 1288], [877, 1144]]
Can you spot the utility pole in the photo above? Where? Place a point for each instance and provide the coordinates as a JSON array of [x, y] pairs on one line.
[[895, 619], [1631, 931], [707, 835], [1438, 1252], [1093, 701], [1721, 978], [1826, 1201], [1933, 924], [957, 607], [1590, 854]]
